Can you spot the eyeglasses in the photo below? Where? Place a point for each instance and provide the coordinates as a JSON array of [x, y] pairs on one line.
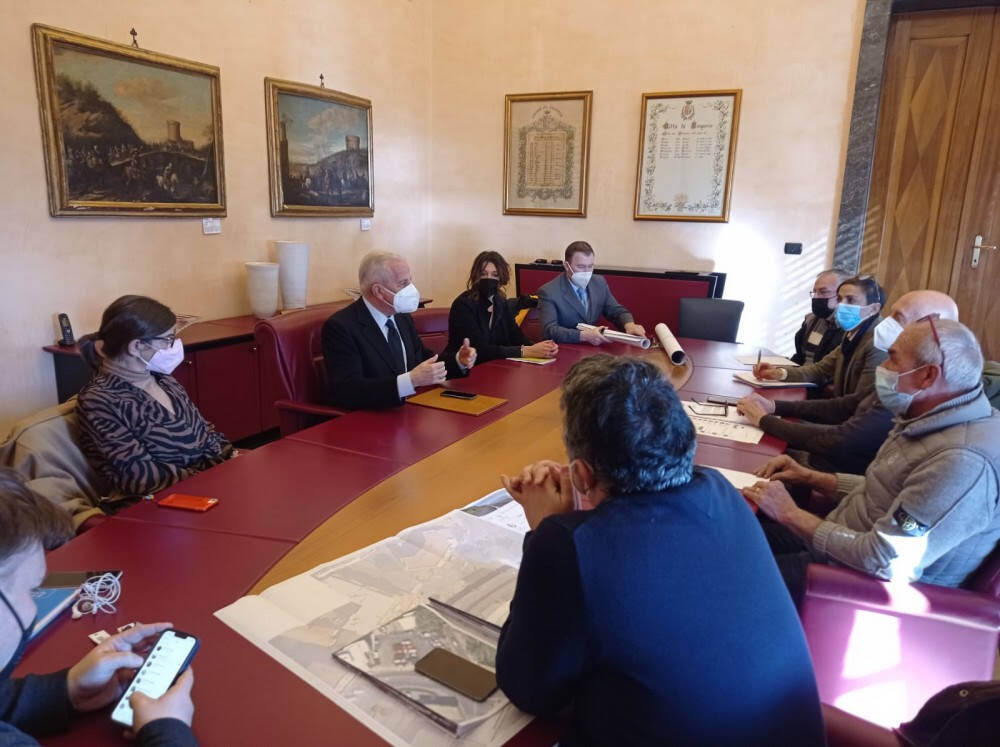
[[169, 339], [822, 294], [930, 320]]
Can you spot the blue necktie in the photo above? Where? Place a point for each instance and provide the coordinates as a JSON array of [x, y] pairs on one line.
[[582, 295]]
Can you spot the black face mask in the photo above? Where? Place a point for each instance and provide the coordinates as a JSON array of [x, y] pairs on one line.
[[821, 307], [487, 288], [25, 637]]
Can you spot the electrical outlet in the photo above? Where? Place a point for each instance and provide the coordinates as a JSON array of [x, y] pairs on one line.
[[793, 248], [366, 224], [211, 225]]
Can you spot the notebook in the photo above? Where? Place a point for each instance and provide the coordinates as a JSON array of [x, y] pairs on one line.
[[50, 602], [476, 406], [536, 361]]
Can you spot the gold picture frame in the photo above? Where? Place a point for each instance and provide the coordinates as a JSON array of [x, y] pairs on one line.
[[700, 129], [320, 152], [546, 153], [127, 131]]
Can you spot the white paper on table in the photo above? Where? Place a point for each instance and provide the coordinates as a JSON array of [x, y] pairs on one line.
[[733, 426], [636, 341], [460, 557], [774, 360], [737, 479]]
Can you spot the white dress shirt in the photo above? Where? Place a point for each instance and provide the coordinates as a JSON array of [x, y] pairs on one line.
[[404, 387]]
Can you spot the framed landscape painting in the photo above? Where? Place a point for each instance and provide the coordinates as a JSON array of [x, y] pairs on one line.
[[126, 131], [319, 151]]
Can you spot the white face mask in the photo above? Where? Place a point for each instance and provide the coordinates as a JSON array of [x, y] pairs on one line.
[[165, 361], [581, 279], [886, 333], [406, 300]]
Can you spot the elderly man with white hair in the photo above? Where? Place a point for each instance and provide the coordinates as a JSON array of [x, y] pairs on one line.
[[926, 509], [374, 356]]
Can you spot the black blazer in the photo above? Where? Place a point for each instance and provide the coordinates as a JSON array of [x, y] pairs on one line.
[[359, 368], [469, 318]]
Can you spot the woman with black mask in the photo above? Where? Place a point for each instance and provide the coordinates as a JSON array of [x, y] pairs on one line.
[[482, 314]]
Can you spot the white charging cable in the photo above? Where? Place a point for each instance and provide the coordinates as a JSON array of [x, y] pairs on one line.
[[98, 594]]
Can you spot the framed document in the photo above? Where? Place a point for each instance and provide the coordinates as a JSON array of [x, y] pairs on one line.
[[546, 153], [319, 151], [687, 143]]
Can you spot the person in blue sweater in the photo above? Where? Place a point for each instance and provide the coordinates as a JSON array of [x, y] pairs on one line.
[[658, 615], [42, 704]]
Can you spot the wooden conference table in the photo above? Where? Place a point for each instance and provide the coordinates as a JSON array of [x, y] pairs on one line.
[[314, 496]]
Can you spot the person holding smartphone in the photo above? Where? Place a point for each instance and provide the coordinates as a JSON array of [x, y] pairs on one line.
[[41, 704]]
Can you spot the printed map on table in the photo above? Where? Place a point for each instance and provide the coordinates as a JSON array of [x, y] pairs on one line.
[[467, 560]]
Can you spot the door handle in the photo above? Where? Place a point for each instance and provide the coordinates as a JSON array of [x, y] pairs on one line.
[[977, 246]]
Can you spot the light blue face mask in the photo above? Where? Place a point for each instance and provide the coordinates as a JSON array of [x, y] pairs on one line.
[[848, 316], [886, 382]]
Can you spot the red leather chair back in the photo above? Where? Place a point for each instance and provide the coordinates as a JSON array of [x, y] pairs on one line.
[[532, 326], [291, 353], [432, 326]]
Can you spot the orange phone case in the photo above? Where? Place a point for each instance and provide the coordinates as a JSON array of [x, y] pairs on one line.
[[188, 502]]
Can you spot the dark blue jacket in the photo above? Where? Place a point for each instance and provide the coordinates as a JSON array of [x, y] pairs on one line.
[[661, 618]]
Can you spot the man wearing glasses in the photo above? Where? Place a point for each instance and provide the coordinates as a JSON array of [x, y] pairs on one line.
[[819, 334], [926, 509]]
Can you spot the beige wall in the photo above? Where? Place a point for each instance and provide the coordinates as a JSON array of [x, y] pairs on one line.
[[437, 72], [377, 49], [794, 60]]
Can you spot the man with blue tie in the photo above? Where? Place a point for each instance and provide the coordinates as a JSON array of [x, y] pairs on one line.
[[374, 356], [580, 296]]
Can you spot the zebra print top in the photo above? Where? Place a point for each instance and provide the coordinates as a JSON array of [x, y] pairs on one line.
[[134, 442]]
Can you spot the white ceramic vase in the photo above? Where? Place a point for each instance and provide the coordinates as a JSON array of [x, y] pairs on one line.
[[293, 258], [262, 285]]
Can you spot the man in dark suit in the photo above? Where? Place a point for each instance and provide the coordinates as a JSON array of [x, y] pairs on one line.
[[374, 357], [580, 296]]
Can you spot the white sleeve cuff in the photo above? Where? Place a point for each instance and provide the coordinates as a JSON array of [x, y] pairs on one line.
[[404, 386]]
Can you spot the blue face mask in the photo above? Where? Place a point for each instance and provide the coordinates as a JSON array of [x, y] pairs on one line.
[[848, 316], [25, 637], [894, 401]]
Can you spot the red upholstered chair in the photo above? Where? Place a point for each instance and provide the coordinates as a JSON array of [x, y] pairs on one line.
[[293, 373], [432, 326], [881, 650], [846, 730]]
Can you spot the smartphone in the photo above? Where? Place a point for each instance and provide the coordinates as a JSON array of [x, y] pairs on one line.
[[461, 675], [457, 394], [72, 579], [169, 657], [188, 502]]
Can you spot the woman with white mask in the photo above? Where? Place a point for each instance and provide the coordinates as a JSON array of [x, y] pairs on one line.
[[138, 426]]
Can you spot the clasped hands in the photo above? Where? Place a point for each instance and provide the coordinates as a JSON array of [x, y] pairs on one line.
[[543, 489], [100, 678]]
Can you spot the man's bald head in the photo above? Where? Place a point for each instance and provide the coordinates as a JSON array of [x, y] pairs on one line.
[[920, 303], [909, 308]]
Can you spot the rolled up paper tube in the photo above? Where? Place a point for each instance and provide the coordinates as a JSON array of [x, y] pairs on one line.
[[669, 344], [637, 341]]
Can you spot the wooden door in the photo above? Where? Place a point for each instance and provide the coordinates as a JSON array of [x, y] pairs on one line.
[[935, 177]]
